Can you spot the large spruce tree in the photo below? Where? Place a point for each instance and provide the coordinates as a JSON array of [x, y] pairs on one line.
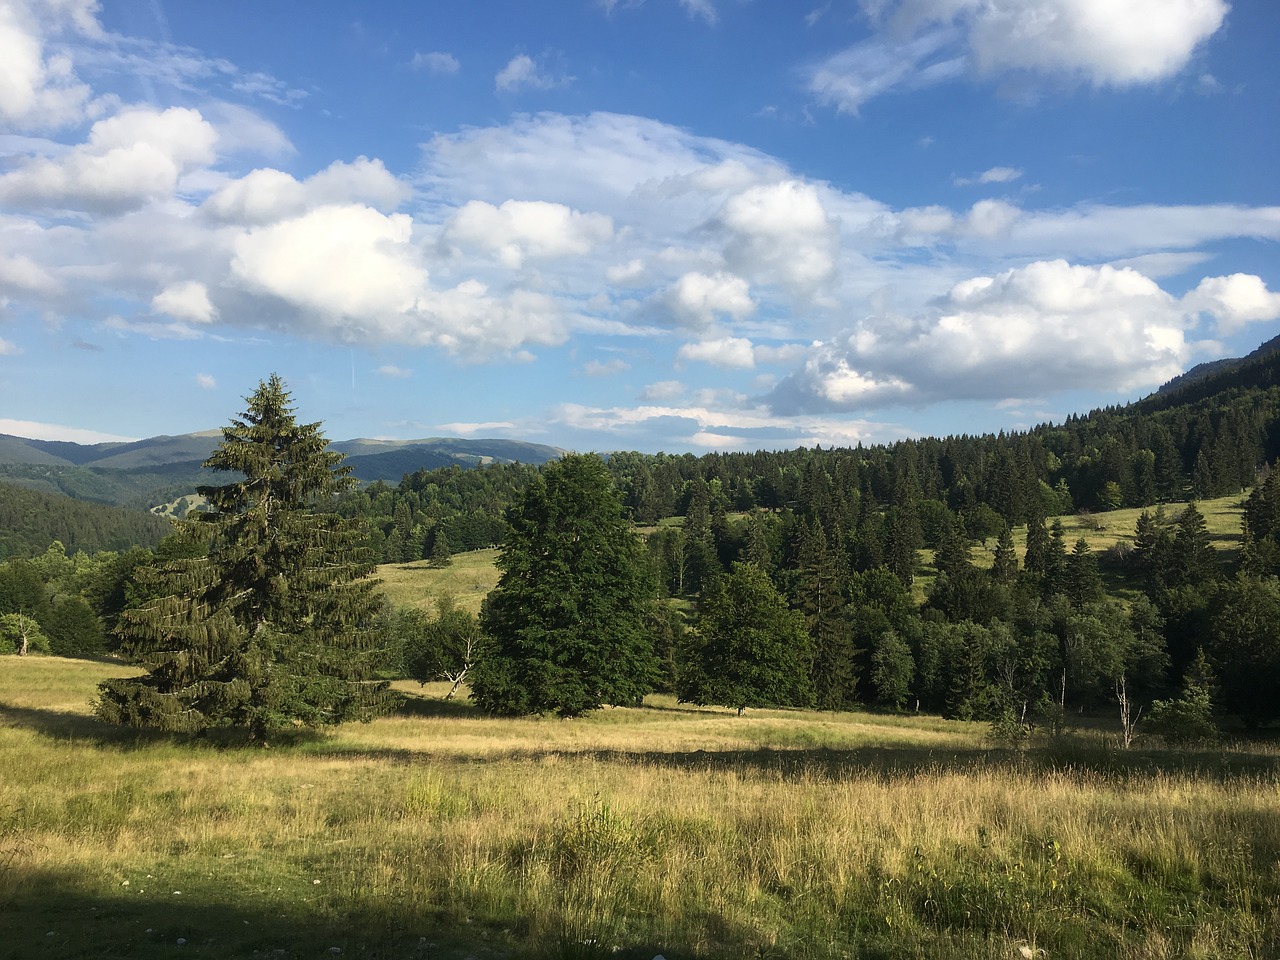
[[271, 624], [567, 629]]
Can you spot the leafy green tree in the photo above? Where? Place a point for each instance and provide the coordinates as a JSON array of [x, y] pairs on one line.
[[892, 670], [24, 633], [750, 650], [567, 627], [443, 648], [73, 628], [1187, 719], [272, 624]]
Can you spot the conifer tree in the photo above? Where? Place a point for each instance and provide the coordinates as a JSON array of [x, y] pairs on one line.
[[271, 623], [1005, 564], [568, 625]]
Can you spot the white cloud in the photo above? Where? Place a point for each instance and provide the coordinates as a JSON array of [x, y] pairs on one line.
[[346, 261], [8, 348], [730, 352], [1234, 301], [436, 62], [662, 391], [266, 195], [185, 300], [392, 372], [39, 89], [699, 300], [1106, 42], [918, 43], [522, 72], [206, 381], [782, 230], [34, 430], [20, 274], [129, 159], [520, 228], [1029, 331]]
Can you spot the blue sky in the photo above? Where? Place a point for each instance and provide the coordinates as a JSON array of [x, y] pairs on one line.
[[629, 224]]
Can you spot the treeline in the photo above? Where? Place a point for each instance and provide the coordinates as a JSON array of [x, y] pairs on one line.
[[30, 520], [1206, 440]]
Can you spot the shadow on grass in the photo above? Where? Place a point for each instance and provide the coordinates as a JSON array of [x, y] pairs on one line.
[[52, 916], [1083, 754], [417, 705], [66, 725]]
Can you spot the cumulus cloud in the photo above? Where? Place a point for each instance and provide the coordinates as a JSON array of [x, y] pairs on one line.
[[1234, 301], [919, 43], [129, 159], [698, 300], [39, 89], [782, 230], [206, 381], [20, 274], [266, 195], [185, 300], [662, 392], [731, 352], [521, 228], [392, 372], [1024, 332], [8, 348]]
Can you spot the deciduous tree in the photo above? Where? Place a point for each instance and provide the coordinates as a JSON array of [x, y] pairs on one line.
[[567, 625]]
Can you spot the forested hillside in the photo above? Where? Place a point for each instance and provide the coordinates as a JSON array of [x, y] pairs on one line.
[[30, 520]]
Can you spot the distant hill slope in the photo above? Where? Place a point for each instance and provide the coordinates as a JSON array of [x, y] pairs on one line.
[[158, 470], [1215, 367], [32, 519]]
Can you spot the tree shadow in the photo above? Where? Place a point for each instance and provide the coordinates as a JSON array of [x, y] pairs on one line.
[[420, 705], [86, 728], [51, 915]]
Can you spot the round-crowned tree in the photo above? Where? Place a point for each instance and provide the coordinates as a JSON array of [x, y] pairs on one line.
[[750, 649], [566, 630]]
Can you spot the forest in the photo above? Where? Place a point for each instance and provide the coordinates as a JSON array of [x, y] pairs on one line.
[[930, 574]]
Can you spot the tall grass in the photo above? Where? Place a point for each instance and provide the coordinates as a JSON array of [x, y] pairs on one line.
[[686, 832]]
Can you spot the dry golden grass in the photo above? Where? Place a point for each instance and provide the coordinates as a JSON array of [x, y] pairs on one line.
[[468, 579], [685, 831]]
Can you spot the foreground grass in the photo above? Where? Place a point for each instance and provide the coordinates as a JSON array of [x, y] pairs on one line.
[[686, 832]]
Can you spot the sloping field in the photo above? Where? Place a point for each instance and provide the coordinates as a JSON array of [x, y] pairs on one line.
[[438, 832]]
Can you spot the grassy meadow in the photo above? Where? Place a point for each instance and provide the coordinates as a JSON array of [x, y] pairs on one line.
[[690, 832]]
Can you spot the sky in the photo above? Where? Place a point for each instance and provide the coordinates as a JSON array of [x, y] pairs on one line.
[[680, 225]]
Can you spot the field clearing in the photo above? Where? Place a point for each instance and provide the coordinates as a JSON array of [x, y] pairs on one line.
[[688, 832], [468, 578]]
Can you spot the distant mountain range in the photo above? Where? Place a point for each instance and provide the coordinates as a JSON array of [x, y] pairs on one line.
[[157, 470]]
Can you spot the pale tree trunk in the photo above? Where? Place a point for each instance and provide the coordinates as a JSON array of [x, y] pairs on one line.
[[459, 675], [1128, 719]]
